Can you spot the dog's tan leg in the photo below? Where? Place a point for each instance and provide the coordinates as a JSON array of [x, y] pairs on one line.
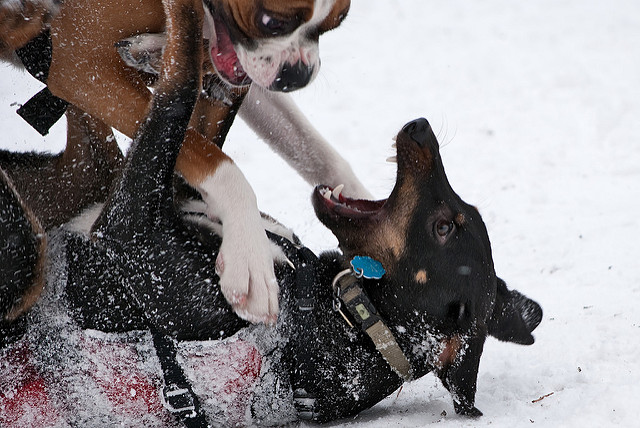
[[84, 171], [90, 161]]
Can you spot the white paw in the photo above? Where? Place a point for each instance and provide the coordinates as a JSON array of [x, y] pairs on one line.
[[245, 261], [247, 279]]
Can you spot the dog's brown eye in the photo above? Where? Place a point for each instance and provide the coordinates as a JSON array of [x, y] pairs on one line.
[[443, 228], [276, 27]]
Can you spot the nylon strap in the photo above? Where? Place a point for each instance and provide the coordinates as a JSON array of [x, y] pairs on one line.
[[44, 109], [304, 262], [178, 395], [365, 314]]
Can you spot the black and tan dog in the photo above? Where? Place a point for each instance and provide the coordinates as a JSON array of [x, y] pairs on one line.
[[270, 45], [147, 265]]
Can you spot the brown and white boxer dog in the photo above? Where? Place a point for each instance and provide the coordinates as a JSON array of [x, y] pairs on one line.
[[270, 46]]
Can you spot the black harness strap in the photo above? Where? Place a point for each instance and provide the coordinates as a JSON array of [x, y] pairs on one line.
[[44, 109], [305, 262], [178, 395]]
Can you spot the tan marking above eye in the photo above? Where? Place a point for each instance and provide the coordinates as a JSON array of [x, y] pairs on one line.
[[421, 276], [460, 219]]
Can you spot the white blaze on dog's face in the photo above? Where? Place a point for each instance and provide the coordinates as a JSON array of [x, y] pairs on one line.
[[273, 43]]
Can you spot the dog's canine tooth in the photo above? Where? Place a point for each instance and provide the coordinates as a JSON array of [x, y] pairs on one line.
[[336, 192], [393, 159], [326, 194]]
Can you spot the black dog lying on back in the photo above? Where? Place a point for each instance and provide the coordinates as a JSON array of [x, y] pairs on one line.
[[346, 337], [439, 296]]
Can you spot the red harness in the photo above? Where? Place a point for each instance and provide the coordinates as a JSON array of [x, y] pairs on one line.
[[223, 373]]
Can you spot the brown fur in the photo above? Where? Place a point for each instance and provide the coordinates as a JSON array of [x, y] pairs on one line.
[[449, 353], [22, 21], [388, 243], [56, 187], [422, 277], [83, 37], [243, 13]]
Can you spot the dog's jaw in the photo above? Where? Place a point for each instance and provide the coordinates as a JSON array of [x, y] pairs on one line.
[[263, 61], [222, 51]]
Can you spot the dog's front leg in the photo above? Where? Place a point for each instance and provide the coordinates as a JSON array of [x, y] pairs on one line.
[[278, 120], [244, 263], [460, 377]]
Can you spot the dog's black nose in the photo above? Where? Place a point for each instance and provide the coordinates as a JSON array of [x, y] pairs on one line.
[[292, 77], [419, 130]]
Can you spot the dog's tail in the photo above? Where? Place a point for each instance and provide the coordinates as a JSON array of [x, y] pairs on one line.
[[22, 20]]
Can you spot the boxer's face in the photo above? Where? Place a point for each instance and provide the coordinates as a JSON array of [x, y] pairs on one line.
[[273, 43]]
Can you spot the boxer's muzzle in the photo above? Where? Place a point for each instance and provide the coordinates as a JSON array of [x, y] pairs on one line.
[[292, 77]]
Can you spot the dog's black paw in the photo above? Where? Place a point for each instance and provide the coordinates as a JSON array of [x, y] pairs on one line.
[[464, 410]]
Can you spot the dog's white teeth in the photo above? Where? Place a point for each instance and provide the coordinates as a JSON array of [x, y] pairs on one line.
[[337, 191], [394, 146], [394, 138], [392, 159], [327, 194]]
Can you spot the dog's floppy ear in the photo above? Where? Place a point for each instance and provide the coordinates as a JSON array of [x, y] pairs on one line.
[[514, 316]]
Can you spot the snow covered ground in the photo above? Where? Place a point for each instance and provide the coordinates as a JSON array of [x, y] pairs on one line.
[[537, 108]]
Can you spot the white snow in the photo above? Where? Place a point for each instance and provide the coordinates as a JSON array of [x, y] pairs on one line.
[[537, 107]]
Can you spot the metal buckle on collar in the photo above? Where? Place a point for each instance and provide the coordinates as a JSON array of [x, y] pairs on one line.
[[337, 298], [179, 401]]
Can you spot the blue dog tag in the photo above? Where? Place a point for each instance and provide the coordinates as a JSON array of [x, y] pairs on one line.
[[367, 267]]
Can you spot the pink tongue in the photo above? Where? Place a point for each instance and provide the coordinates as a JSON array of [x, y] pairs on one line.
[[224, 56]]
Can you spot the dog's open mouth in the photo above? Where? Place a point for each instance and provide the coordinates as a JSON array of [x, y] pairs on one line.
[[224, 56], [334, 203], [415, 145]]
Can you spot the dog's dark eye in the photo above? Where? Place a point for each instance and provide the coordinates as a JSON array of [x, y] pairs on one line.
[[443, 228], [276, 27]]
